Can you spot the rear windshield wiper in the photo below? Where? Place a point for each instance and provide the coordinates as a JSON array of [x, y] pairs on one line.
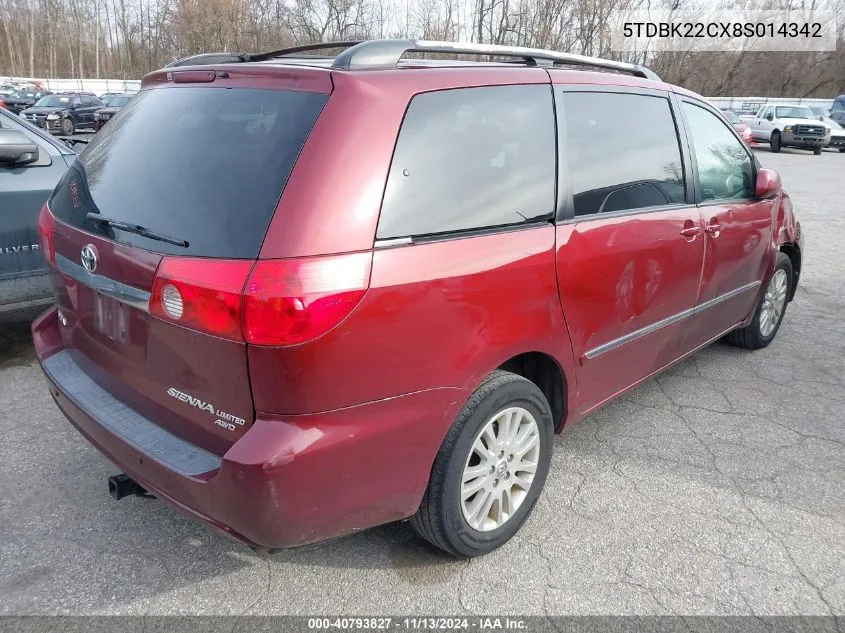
[[137, 229]]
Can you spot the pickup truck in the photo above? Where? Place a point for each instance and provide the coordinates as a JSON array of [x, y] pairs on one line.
[[31, 163], [789, 126]]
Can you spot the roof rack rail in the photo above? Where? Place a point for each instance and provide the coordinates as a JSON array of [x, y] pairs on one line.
[[237, 58], [317, 46], [376, 54]]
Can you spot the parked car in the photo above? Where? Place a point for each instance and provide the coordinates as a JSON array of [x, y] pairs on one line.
[[23, 99], [108, 96], [742, 128], [837, 134], [31, 163], [789, 126], [838, 104], [64, 113], [103, 115], [378, 294], [839, 116]]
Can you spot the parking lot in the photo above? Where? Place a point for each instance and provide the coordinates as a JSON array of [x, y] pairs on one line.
[[717, 488]]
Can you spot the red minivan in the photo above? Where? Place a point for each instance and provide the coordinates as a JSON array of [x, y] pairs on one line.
[[302, 296]]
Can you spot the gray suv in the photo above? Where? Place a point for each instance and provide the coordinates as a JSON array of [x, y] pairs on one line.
[[31, 163]]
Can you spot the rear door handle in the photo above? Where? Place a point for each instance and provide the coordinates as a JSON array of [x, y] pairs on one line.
[[714, 228]]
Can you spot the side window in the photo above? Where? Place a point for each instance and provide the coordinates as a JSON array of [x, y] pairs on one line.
[[623, 152], [725, 170], [75, 102], [471, 158]]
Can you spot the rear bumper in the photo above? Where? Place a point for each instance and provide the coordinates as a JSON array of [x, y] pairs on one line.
[[288, 480]]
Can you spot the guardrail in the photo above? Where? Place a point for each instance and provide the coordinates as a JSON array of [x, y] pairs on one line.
[[752, 104], [97, 86]]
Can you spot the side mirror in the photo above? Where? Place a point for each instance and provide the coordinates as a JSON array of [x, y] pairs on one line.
[[768, 183], [769, 116], [16, 148]]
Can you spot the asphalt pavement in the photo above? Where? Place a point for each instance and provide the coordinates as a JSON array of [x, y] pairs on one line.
[[717, 488]]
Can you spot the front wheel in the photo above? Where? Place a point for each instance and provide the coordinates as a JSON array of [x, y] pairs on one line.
[[817, 151], [490, 469], [774, 143], [769, 314], [67, 127]]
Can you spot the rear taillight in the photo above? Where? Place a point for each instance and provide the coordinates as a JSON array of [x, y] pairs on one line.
[[297, 300], [45, 224], [280, 302], [201, 294]]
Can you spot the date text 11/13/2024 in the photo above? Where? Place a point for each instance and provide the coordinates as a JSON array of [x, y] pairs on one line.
[[418, 623]]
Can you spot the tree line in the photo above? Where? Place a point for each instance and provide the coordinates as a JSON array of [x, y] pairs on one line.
[[124, 39]]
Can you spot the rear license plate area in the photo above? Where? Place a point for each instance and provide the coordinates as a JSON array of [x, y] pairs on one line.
[[111, 318]]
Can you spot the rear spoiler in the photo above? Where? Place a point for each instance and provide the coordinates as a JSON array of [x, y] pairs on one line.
[[239, 58]]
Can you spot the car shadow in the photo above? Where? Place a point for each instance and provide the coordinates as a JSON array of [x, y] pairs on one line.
[[15, 335]]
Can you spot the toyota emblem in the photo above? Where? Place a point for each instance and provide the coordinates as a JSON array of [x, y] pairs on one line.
[[89, 258]]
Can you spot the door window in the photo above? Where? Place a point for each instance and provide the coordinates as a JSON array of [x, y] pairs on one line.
[[725, 170], [472, 158], [623, 152]]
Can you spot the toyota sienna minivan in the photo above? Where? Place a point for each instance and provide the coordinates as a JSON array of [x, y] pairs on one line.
[[299, 296]]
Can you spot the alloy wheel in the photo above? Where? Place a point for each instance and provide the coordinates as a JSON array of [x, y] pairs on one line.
[[500, 469], [773, 303]]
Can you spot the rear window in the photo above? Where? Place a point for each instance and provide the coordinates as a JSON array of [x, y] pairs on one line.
[[204, 165]]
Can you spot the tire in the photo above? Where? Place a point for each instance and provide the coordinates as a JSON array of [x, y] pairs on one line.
[[842, 150], [755, 336], [67, 127], [441, 518], [774, 143], [817, 151]]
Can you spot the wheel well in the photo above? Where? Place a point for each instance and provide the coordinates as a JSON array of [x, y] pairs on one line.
[[794, 253], [543, 371]]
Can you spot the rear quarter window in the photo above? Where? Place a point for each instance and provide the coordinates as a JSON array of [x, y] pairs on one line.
[[201, 164], [471, 158]]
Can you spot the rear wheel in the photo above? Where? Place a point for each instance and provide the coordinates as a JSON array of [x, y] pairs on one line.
[[67, 127], [490, 469], [774, 143], [769, 314]]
